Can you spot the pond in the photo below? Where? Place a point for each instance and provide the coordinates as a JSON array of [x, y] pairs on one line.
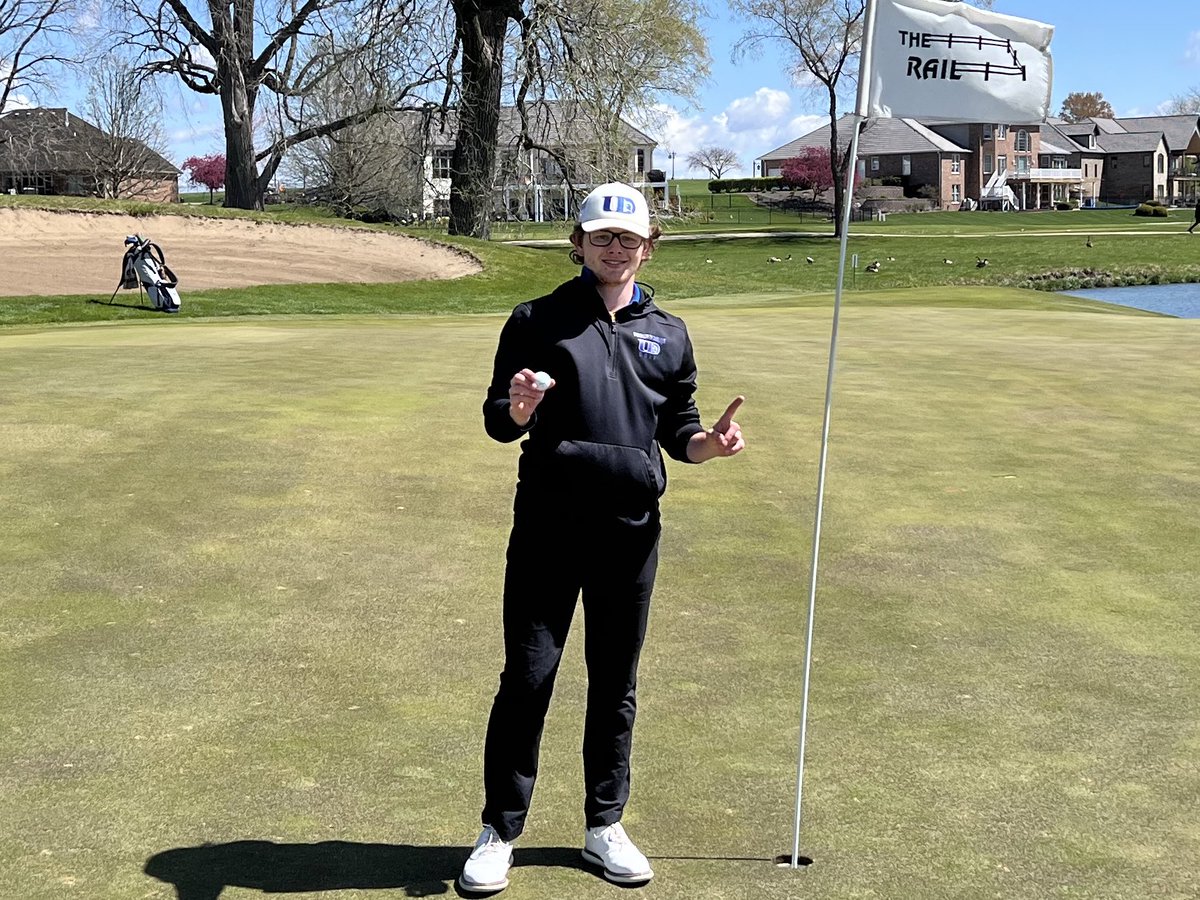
[[1179, 300]]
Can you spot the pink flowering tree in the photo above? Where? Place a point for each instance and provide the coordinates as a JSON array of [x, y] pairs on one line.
[[810, 171], [208, 171]]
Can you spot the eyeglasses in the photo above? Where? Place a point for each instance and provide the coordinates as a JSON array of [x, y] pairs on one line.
[[627, 239]]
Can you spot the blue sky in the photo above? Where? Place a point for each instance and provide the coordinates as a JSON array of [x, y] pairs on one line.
[[1138, 61]]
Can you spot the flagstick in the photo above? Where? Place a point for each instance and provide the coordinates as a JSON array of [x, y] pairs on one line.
[[861, 109], [816, 542]]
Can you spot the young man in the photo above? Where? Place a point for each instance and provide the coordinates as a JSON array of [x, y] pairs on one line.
[[1197, 220], [586, 518]]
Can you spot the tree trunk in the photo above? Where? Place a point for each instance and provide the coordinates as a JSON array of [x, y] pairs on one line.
[[835, 163], [235, 35], [481, 25], [241, 171]]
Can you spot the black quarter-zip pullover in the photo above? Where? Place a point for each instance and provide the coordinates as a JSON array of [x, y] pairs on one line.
[[624, 386]]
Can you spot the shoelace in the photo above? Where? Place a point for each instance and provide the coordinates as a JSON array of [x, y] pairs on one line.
[[616, 835], [492, 845]]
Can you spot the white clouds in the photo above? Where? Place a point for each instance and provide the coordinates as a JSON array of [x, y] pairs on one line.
[[197, 140], [1191, 51], [89, 15], [15, 100], [18, 101], [766, 107], [750, 126]]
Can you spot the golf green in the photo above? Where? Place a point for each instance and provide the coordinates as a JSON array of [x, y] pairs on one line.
[[249, 583]]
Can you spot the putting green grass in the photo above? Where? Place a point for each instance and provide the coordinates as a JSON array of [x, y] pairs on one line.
[[249, 575]]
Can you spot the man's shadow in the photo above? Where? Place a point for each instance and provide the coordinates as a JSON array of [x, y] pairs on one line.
[[201, 873]]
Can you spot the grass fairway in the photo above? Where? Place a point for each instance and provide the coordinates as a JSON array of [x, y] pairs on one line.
[[250, 588]]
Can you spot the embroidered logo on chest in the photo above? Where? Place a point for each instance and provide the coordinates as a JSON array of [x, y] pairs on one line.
[[649, 344]]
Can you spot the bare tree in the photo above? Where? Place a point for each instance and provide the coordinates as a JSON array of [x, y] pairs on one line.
[[604, 60], [377, 164], [824, 38], [34, 35], [613, 60], [128, 153], [1187, 103], [29, 150], [716, 160], [283, 49]]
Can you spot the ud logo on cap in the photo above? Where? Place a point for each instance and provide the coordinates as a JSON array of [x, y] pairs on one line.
[[620, 205]]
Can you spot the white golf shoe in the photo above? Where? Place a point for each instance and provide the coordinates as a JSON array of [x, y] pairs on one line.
[[610, 848], [486, 869]]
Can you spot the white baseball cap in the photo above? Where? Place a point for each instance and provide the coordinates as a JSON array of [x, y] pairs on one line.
[[615, 205]]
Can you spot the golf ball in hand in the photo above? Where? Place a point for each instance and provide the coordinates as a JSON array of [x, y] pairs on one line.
[[541, 380]]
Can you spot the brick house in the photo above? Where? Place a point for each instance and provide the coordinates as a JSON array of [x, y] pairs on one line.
[[51, 151], [901, 149], [533, 184], [1175, 177], [1027, 166]]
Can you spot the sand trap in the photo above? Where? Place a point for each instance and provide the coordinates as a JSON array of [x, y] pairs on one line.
[[44, 252]]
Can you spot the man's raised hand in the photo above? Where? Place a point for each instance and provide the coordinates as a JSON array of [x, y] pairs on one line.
[[727, 434], [524, 396]]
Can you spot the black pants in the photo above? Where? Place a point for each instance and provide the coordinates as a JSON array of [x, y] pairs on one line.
[[559, 548]]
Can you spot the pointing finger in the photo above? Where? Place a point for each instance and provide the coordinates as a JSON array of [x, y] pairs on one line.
[[726, 419]]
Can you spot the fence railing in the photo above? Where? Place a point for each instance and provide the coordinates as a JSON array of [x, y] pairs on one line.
[[766, 216]]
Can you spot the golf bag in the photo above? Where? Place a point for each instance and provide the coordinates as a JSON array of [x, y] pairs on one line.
[[145, 266]]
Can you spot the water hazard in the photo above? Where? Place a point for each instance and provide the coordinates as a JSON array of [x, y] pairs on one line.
[[1179, 300]]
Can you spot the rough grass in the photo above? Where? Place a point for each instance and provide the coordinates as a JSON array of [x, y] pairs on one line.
[[682, 270], [249, 578]]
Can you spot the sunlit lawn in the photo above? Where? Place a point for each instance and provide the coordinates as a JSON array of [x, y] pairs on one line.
[[249, 574]]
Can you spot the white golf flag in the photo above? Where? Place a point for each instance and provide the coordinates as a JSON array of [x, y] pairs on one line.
[[933, 59]]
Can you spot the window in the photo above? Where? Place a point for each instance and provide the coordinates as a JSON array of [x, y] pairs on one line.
[[441, 163], [641, 160], [955, 164], [987, 132], [1162, 164], [1022, 165], [905, 164], [988, 165], [1023, 140], [874, 163], [1001, 132], [1044, 161], [955, 193], [1001, 163], [30, 184], [1146, 160]]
